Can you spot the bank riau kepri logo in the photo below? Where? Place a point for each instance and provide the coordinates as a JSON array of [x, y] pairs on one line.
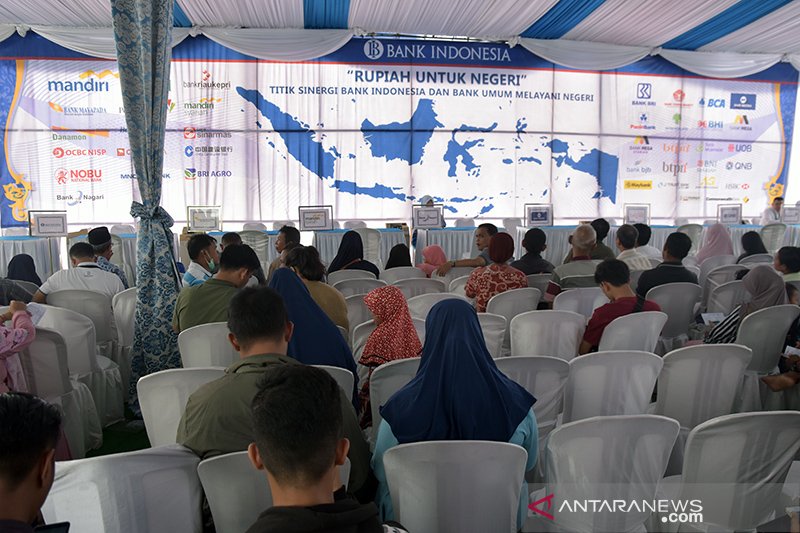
[[373, 49]]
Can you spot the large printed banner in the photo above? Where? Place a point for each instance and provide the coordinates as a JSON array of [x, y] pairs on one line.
[[482, 128]]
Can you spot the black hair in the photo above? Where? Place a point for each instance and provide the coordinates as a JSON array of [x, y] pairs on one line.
[[752, 243], [30, 429], [627, 235], [290, 234], [601, 227], [307, 262], [238, 256], [644, 234], [256, 313], [491, 229], [678, 245], [534, 241], [740, 274], [297, 423], [778, 198], [81, 250], [612, 271], [231, 238], [399, 256], [197, 243], [791, 290], [789, 256]]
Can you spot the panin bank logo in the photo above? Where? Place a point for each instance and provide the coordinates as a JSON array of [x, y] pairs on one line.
[[373, 49]]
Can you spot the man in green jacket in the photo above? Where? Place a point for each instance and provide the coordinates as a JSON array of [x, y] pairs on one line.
[[218, 418]]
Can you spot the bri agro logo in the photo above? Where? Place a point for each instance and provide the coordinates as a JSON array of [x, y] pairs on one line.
[[669, 511]]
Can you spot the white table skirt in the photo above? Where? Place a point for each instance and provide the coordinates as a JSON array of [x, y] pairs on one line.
[[457, 243], [327, 242], [46, 253]]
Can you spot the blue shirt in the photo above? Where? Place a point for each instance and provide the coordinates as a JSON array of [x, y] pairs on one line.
[[108, 266], [195, 275]]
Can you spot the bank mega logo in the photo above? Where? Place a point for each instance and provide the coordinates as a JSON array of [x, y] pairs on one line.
[[741, 122], [670, 511], [641, 145], [88, 81], [83, 175]]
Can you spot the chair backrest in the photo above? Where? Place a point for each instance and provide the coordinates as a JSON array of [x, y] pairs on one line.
[[582, 301], [419, 325], [756, 259], [677, 300], [372, 244], [237, 493], [385, 381], [539, 281], [357, 310], [122, 229], [511, 225], [698, 383], [695, 232], [46, 365], [391, 275], [354, 224], [155, 490], [737, 464], [27, 285], [713, 262], [453, 273], [654, 262], [625, 455], [345, 333], [258, 226], [722, 274], [206, 345], [163, 396], [544, 377], [77, 331], [278, 224], [259, 242], [773, 236], [512, 303], [494, 331], [420, 306], [637, 331], [764, 332], [610, 383], [576, 282], [93, 305], [418, 286], [124, 307], [724, 298], [465, 222], [344, 378], [551, 333], [456, 485], [359, 337], [349, 287], [458, 286], [341, 275], [634, 278]]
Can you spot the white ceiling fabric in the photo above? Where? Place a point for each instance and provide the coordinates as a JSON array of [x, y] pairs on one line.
[[778, 32], [585, 55], [273, 14], [82, 13], [280, 45]]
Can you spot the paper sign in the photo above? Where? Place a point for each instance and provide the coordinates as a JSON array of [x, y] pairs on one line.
[[791, 215], [316, 217], [204, 218], [48, 223], [637, 213], [427, 217], [729, 214], [538, 215], [712, 318]]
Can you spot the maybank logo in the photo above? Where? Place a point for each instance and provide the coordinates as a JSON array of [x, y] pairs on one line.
[[639, 185], [91, 82]]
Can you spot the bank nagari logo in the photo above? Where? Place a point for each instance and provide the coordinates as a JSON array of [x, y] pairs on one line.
[[373, 49]]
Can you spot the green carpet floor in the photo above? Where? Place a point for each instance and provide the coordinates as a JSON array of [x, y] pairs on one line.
[[125, 436]]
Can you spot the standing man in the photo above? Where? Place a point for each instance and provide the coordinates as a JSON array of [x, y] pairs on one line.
[[483, 234], [100, 239], [772, 214], [288, 238]]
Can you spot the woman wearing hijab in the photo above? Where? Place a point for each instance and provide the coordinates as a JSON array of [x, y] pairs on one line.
[[717, 242], [393, 339], [752, 245], [485, 282], [767, 290], [22, 268], [305, 262], [399, 256], [457, 394], [433, 257], [351, 255]]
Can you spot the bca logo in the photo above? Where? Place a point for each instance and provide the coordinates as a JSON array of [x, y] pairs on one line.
[[373, 49]]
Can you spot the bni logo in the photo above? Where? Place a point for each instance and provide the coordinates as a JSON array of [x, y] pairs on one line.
[[373, 49]]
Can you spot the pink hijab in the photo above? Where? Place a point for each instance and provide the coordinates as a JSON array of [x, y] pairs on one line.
[[718, 242], [434, 258]]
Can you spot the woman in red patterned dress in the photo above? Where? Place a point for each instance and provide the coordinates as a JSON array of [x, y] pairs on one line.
[[498, 277]]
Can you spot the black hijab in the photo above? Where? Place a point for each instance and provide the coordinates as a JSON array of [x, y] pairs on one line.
[[399, 256], [22, 268], [351, 250]]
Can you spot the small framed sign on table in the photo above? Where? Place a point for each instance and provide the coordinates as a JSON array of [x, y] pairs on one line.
[[637, 214], [316, 217], [791, 215], [729, 214], [204, 218], [47, 223], [427, 217], [538, 215]]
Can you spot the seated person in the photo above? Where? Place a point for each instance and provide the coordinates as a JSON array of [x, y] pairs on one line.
[[28, 441], [300, 444], [642, 246], [534, 242], [208, 301], [600, 250], [217, 419], [717, 241], [305, 262], [483, 234], [399, 256], [433, 257], [772, 214], [351, 255], [583, 242], [614, 278], [85, 275], [488, 281], [787, 262], [22, 268], [626, 244], [288, 238], [752, 245], [676, 248], [100, 239], [234, 238], [202, 251], [12, 341], [789, 366]]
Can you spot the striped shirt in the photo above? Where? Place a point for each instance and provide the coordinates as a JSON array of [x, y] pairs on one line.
[[726, 331]]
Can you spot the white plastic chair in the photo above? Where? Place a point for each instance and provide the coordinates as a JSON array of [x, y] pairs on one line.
[[258, 226], [392, 275], [357, 310], [582, 301], [349, 287], [757, 259], [610, 383], [465, 222], [345, 333], [654, 263], [30, 287], [371, 238], [539, 281], [420, 306], [206, 345], [713, 262], [453, 273], [458, 286], [773, 236], [344, 378], [96, 307], [163, 396], [698, 383], [258, 240], [637, 331], [634, 278], [278, 224], [155, 490], [123, 304], [385, 381], [362, 331], [736, 466], [544, 377], [494, 331], [716, 277], [551, 333], [625, 455], [511, 225], [122, 229], [237, 493], [512, 303], [418, 286], [678, 301], [354, 224], [578, 282], [764, 332], [341, 275], [724, 298], [449, 486], [695, 232]]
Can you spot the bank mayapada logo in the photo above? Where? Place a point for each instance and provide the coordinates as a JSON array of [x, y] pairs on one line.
[[671, 511]]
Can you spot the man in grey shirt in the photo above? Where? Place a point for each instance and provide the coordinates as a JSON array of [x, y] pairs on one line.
[[483, 234]]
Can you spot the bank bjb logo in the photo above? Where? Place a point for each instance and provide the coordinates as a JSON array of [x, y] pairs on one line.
[[373, 49]]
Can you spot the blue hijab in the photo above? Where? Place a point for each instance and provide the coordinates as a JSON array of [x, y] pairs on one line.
[[458, 393]]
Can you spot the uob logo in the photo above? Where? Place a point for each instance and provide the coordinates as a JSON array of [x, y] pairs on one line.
[[373, 49]]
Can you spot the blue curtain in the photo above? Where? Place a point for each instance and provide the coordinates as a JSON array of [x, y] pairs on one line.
[[142, 30]]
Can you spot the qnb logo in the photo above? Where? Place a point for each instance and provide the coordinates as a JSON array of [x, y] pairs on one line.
[[373, 49]]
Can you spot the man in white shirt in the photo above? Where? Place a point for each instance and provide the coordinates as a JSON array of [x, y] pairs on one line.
[[85, 276], [772, 214], [642, 246], [202, 251], [626, 244]]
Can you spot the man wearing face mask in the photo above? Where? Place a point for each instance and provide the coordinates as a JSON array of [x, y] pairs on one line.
[[202, 250], [208, 301]]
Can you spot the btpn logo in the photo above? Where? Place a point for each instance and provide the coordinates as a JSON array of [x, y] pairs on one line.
[[373, 49]]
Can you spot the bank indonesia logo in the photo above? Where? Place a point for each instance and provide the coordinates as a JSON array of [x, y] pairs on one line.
[[743, 101], [644, 91], [373, 49]]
